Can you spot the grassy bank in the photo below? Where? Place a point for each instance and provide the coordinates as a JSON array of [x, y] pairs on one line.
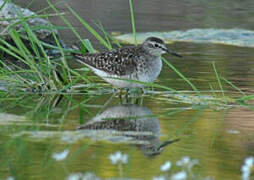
[[30, 69]]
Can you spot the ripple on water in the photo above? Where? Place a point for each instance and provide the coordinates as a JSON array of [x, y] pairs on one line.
[[236, 37]]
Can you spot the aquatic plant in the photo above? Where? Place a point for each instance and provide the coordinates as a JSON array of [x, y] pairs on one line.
[[186, 162], [182, 175], [186, 172], [82, 176], [247, 168], [166, 166], [60, 155], [118, 157]]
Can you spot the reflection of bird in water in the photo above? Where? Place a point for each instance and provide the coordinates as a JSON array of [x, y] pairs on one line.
[[130, 124]]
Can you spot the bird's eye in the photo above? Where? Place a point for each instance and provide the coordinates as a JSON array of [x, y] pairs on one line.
[[150, 45], [156, 45]]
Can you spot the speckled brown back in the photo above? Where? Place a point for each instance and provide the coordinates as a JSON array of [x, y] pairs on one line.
[[120, 62]]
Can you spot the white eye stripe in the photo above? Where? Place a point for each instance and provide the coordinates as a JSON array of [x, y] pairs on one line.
[[159, 46]]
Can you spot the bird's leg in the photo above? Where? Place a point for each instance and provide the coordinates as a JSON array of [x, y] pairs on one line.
[[141, 100], [136, 101], [120, 96], [142, 91]]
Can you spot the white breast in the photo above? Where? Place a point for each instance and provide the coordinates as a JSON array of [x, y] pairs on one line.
[[153, 71], [149, 75]]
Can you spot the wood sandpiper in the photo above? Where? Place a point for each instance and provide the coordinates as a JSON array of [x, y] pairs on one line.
[[139, 63]]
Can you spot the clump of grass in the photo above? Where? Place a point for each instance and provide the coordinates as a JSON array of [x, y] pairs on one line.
[[27, 66], [45, 73], [133, 22], [37, 69]]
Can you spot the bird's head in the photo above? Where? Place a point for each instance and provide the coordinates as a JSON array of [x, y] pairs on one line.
[[155, 46]]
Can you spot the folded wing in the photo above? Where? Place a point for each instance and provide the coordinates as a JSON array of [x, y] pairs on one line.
[[116, 62]]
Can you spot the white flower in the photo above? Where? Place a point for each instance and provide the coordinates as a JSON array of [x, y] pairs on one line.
[[10, 178], [118, 157], [166, 166], [90, 176], [249, 161], [82, 176], [247, 168], [124, 159], [184, 161], [74, 176], [61, 155], [179, 176], [159, 178], [232, 131], [187, 162]]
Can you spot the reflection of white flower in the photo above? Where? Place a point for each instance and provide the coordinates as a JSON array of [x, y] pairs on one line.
[[10, 178], [166, 166], [159, 178], [61, 155], [182, 175], [81, 176], [184, 161], [74, 176], [118, 157], [187, 162], [247, 168]]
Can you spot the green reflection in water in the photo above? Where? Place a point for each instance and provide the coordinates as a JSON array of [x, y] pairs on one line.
[[37, 127]]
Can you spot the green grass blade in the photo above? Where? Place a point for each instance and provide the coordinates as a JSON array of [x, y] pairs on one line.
[[133, 22], [8, 51], [191, 121], [246, 98], [181, 75], [218, 79], [218, 129], [21, 46], [233, 86], [89, 28], [13, 72], [212, 89], [107, 35], [88, 45], [65, 21], [6, 1], [50, 6], [29, 4]]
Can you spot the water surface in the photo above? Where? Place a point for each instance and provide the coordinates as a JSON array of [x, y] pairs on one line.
[[33, 128]]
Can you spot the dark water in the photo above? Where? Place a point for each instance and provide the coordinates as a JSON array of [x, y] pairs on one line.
[[220, 138]]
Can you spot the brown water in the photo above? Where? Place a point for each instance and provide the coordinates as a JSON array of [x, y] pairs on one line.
[[32, 129]]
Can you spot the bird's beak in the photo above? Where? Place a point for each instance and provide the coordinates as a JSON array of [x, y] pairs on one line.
[[164, 144], [172, 53]]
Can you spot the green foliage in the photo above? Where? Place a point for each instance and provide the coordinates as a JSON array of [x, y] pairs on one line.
[[46, 74]]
